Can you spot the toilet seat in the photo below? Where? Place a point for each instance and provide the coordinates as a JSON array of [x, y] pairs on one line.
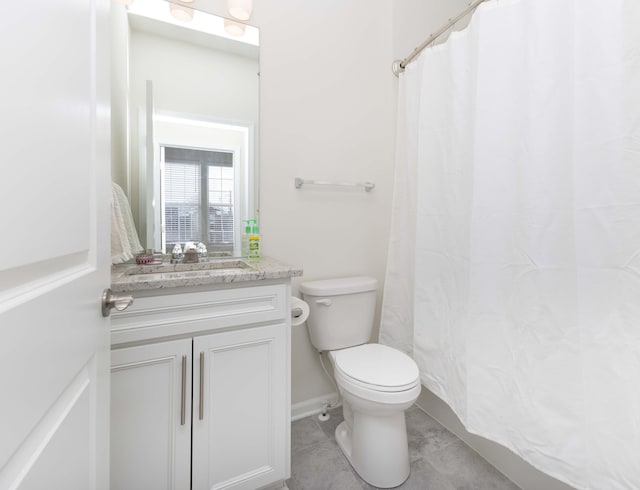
[[375, 367]]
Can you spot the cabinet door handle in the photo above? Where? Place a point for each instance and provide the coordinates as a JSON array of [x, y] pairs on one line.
[[183, 399], [201, 408]]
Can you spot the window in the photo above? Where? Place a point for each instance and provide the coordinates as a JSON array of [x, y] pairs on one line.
[[198, 204]]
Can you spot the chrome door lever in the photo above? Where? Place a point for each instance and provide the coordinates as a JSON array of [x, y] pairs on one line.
[[118, 301]]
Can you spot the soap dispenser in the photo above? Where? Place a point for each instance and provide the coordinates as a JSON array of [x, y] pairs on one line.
[[254, 241], [244, 245]]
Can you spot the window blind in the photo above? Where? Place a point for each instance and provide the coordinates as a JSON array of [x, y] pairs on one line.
[[199, 197]]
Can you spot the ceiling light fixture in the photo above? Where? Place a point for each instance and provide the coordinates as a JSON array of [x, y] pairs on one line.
[[240, 9]]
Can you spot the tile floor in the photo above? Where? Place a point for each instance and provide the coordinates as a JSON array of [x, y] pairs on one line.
[[439, 460]]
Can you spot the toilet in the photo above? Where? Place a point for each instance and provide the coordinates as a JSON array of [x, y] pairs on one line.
[[377, 383]]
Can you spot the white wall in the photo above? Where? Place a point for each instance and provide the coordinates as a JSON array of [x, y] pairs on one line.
[[414, 20]]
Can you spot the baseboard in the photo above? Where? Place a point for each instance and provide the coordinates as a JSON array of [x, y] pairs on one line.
[[506, 461], [281, 485], [311, 407]]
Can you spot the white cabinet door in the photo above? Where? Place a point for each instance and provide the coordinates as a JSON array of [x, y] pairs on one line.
[[151, 416], [240, 415], [54, 250]]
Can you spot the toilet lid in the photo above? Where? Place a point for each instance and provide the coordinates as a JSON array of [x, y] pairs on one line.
[[377, 365]]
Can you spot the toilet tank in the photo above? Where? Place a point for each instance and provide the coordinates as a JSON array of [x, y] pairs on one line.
[[340, 311]]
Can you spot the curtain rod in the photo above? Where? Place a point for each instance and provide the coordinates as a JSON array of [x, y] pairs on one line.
[[398, 66]]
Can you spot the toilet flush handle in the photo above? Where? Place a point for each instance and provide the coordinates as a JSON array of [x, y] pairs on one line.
[[323, 302]]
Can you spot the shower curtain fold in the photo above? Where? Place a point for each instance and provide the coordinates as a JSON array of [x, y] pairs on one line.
[[513, 275]]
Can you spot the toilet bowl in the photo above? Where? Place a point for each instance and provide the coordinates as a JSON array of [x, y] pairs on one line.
[[377, 383]]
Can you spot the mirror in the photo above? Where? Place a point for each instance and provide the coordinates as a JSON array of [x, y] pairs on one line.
[[192, 126]]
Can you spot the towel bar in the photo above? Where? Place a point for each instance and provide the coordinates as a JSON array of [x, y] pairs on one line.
[[300, 182]]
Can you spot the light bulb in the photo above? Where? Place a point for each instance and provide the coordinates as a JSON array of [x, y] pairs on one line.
[[184, 14], [240, 9], [234, 28]]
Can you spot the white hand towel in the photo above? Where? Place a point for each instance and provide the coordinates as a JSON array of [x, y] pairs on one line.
[[124, 237], [120, 247]]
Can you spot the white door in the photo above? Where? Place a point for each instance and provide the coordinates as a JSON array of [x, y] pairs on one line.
[[54, 244]]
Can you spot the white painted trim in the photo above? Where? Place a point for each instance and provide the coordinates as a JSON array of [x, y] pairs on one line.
[[313, 406], [504, 460]]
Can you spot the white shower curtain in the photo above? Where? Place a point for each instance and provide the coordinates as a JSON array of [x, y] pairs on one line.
[[514, 268]]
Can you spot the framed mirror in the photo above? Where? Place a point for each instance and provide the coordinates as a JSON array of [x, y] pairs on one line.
[[193, 112]]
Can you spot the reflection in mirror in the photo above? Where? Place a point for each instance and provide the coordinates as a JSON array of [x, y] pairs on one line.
[[193, 121]]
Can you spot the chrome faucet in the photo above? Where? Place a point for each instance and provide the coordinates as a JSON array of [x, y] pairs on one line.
[[191, 256], [176, 254]]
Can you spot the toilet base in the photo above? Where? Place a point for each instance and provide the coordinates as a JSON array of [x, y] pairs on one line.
[[376, 447]]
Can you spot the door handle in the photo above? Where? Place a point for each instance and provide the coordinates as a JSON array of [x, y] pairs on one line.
[[118, 301], [183, 394]]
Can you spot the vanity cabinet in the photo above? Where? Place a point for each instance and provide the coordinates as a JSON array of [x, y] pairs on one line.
[[209, 409]]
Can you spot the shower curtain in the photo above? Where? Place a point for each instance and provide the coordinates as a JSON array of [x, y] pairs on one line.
[[514, 268]]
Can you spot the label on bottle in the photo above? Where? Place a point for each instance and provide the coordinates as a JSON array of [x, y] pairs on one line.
[[254, 246]]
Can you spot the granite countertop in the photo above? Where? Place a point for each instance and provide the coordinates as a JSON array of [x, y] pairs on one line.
[[131, 277]]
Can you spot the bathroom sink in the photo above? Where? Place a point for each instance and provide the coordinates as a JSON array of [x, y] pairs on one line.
[[191, 269]]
